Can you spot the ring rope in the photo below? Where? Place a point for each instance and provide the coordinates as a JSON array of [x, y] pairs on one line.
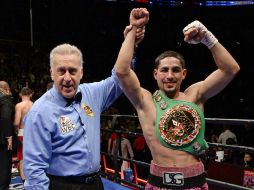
[[236, 147], [225, 184], [129, 160], [229, 121], [208, 120], [117, 179]]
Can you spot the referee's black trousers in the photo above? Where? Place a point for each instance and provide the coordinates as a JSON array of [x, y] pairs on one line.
[[63, 184]]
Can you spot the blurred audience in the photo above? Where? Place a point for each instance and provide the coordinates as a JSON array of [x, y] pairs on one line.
[[227, 134], [247, 160]]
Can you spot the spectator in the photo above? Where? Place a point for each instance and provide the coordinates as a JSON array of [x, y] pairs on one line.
[[6, 134], [212, 136], [139, 145], [248, 135], [126, 152], [226, 134], [247, 160], [21, 109]]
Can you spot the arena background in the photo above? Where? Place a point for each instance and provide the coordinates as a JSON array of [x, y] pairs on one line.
[[28, 33]]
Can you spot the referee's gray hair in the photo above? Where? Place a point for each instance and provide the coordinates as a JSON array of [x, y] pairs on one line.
[[64, 49]]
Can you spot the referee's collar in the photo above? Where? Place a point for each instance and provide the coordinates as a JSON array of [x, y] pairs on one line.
[[62, 101]]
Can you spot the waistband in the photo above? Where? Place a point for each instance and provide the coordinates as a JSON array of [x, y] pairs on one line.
[[89, 178], [189, 171], [174, 181]]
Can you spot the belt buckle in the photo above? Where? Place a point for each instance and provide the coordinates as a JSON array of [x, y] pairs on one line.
[[89, 179], [173, 178]]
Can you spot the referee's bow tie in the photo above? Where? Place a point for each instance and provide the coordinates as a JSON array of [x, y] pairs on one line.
[[77, 99]]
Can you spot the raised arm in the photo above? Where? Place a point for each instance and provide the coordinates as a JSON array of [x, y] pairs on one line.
[[227, 67], [128, 79]]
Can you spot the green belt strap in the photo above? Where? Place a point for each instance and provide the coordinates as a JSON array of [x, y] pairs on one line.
[[180, 125]]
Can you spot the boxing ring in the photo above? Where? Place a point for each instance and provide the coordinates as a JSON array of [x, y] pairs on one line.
[[113, 173], [110, 173]]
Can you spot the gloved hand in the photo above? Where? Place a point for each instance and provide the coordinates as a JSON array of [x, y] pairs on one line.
[[196, 32]]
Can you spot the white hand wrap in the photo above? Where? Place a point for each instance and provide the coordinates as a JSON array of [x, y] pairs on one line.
[[209, 39]]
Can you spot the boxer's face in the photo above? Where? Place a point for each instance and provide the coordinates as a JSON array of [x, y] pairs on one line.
[[169, 75]]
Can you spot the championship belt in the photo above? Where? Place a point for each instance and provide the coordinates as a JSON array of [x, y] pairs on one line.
[[179, 124]]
